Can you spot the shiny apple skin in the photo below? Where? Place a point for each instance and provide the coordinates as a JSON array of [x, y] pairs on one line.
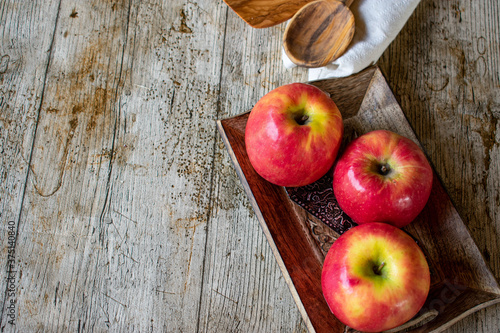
[[359, 297], [366, 195], [285, 152]]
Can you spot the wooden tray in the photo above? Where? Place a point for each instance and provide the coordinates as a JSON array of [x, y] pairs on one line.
[[461, 283]]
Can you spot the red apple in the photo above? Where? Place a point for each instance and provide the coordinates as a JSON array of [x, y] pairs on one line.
[[382, 177], [375, 277], [293, 135]]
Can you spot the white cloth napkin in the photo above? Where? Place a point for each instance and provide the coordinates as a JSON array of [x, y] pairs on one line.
[[377, 24]]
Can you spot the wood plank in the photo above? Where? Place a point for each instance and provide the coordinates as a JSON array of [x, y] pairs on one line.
[[443, 67], [113, 228], [244, 289], [26, 30], [62, 231]]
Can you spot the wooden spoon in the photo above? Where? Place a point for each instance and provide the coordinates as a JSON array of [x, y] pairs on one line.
[[265, 13], [319, 32]]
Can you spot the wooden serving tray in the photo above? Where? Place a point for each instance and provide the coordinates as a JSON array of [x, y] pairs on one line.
[[461, 282]]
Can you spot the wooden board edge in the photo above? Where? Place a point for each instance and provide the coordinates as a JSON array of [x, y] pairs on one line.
[[265, 229]]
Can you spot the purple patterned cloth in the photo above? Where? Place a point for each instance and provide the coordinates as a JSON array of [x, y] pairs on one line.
[[318, 199]]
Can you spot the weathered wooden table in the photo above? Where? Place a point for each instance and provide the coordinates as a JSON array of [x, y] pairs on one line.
[[119, 207]]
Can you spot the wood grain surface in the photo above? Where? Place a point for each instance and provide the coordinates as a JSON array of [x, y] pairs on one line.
[[124, 210]]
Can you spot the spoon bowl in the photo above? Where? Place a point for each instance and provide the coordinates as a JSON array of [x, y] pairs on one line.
[[319, 33]]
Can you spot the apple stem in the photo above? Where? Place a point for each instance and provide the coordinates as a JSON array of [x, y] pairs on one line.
[[302, 119], [378, 270], [384, 169]]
